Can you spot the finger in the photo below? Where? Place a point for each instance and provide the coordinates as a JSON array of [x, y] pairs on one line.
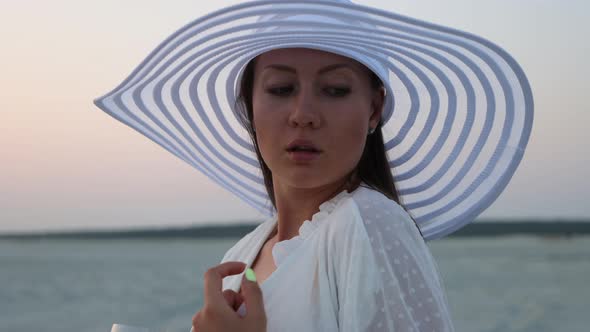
[[196, 319], [253, 298], [229, 296], [213, 280], [239, 301], [232, 298]]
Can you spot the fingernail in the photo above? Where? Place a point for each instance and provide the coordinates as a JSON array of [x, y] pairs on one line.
[[250, 275]]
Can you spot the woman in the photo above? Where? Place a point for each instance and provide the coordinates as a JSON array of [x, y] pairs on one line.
[[337, 137], [314, 118]]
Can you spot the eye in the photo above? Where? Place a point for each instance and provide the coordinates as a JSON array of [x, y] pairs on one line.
[[336, 91], [281, 91]]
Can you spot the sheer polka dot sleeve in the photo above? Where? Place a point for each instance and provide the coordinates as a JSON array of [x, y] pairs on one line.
[[408, 295]]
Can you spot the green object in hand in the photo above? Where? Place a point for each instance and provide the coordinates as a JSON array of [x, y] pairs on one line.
[[250, 275]]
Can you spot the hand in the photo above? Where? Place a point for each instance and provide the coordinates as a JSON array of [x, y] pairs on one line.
[[219, 310]]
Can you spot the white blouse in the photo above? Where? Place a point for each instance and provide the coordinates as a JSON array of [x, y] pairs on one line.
[[360, 264]]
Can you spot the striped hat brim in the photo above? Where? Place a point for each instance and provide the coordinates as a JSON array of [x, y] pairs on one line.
[[457, 117]]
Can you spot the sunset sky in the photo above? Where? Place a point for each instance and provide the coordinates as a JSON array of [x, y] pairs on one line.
[[67, 165]]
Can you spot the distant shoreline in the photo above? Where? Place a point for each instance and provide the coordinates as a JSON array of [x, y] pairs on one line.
[[479, 228]]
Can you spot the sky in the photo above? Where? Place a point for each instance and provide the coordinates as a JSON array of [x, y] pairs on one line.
[[65, 165]]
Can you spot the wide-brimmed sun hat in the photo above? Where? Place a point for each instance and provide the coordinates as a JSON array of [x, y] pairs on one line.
[[456, 121]]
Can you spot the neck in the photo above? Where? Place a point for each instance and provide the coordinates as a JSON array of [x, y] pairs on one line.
[[296, 205]]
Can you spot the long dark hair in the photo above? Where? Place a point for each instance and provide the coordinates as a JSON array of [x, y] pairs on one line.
[[373, 168]]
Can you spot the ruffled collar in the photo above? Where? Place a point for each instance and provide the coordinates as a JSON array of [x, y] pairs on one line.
[[283, 249]]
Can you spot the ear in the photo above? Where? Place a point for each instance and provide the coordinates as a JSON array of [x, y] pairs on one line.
[[377, 104]]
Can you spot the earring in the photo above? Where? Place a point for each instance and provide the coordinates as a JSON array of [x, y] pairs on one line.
[[371, 130]]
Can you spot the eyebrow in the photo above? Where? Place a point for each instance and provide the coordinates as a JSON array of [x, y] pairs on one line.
[[321, 71]]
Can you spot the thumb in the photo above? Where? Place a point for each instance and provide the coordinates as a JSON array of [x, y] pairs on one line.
[[253, 297]]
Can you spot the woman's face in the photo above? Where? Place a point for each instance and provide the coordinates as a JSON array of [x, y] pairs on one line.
[[312, 111]]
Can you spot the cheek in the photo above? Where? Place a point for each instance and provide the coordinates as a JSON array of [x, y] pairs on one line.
[[267, 123], [352, 142], [349, 134]]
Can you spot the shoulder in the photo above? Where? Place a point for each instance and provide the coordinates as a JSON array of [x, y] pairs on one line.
[[381, 214], [370, 226], [389, 263], [367, 212], [371, 201]]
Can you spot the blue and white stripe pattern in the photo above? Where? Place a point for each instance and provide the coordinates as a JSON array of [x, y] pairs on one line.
[[457, 118]]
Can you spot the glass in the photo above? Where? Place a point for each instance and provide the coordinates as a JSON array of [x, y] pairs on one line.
[[127, 328], [131, 328]]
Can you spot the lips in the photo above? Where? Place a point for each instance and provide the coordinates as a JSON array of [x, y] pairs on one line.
[[300, 145], [303, 151]]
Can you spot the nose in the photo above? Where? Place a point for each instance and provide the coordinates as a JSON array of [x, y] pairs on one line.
[[305, 112]]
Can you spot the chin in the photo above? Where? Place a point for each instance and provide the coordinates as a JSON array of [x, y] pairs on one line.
[[312, 179]]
